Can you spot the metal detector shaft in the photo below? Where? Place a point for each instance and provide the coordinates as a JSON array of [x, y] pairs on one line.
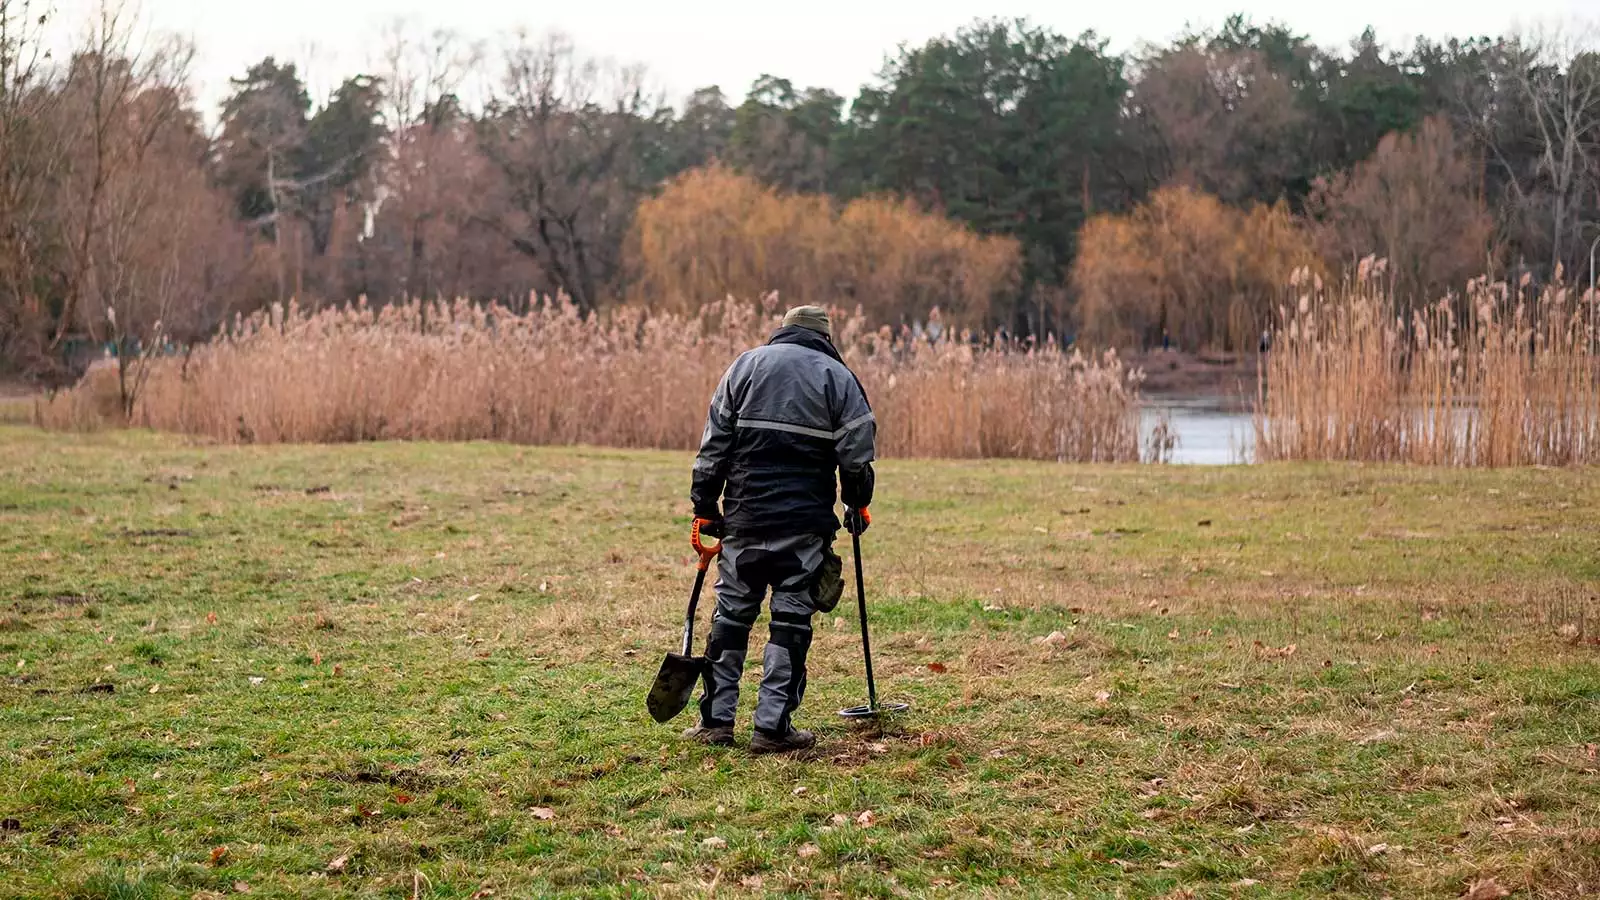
[[866, 642]]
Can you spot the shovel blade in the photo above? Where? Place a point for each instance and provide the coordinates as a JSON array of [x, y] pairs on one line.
[[674, 685]]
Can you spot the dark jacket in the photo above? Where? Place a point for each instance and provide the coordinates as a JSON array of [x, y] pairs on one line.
[[785, 417]]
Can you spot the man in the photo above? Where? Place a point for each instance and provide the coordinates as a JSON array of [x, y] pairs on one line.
[[785, 417]]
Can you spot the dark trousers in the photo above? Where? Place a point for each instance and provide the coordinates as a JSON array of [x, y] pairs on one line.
[[747, 569]]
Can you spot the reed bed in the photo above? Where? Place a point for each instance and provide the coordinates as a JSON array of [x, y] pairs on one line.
[[1502, 376], [630, 378]]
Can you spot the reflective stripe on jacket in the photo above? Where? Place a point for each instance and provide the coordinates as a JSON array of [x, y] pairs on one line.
[[784, 418]]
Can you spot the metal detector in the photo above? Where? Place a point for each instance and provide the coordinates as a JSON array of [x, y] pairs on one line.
[[872, 710]]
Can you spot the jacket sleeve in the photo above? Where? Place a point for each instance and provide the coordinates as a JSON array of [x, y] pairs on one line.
[[855, 446], [716, 452]]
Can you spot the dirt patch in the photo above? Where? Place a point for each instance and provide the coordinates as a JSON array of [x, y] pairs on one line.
[[411, 779]]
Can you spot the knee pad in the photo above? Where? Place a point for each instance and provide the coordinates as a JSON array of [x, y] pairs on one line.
[[727, 635], [792, 633]]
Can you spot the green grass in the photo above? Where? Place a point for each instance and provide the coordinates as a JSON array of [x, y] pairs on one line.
[[398, 657]]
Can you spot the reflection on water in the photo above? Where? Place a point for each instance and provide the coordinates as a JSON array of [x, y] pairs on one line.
[[1211, 431]]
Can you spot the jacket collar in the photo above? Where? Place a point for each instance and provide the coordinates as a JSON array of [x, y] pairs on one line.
[[813, 340], [805, 337]]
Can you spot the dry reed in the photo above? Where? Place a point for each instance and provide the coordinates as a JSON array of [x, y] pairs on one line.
[[629, 378], [1513, 384]]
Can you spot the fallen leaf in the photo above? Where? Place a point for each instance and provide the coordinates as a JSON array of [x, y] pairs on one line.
[[316, 658], [614, 831], [211, 618], [1102, 697], [154, 688], [1053, 638], [1377, 849], [1593, 750], [1153, 813], [338, 669], [839, 820], [482, 893], [1172, 635], [714, 843], [473, 597], [217, 853], [1246, 882], [809, 850], [937, 668], [866, 819], [256, 679], [402, 799], [544, 813], [1487, 889], [338, 864], [878, 748], [365, 811], [800, 791], [993, 608], [242, 887], [1569, 631]]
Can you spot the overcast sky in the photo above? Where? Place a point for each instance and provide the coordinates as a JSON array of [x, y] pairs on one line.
[[837, 44]]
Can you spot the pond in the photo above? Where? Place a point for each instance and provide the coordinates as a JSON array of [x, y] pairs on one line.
[[1210, 430]]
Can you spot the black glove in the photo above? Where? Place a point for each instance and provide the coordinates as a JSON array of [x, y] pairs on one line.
[[857, 521], [712, 528]]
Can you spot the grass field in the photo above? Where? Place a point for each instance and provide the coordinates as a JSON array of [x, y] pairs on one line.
[[416, 670]]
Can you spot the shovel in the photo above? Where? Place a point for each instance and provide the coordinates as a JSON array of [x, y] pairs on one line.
[[872, 710], [680, 671]]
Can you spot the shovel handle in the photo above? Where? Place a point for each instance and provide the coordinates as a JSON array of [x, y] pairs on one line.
[[707, 552]]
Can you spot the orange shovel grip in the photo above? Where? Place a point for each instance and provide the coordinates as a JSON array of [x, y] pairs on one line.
[[707, 553]]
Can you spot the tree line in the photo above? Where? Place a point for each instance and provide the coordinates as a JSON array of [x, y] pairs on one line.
[[125, 219]]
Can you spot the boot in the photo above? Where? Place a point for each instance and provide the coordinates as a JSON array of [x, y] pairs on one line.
[[713, 736], [795, 740]]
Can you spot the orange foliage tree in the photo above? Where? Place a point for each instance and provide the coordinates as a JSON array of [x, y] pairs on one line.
[[1187, 265], [712, 233], [1417, 203]]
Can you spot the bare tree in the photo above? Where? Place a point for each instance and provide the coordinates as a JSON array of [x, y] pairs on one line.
[[134, 199], [1415, 202], [1534, 110], [1558, 75], [29, 160], [565, 134], [1221, 119]]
